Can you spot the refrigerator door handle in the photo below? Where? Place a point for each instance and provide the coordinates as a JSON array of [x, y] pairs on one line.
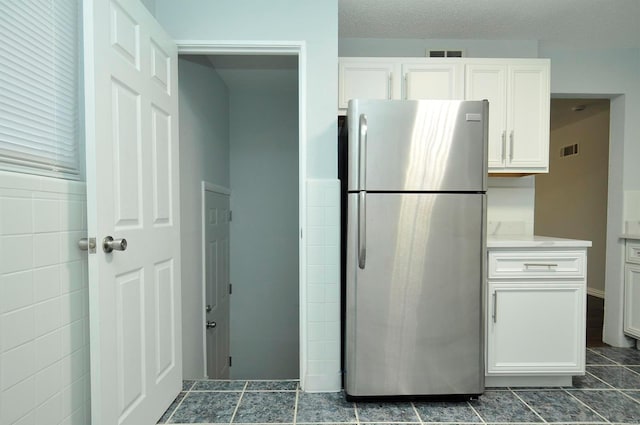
[[362, 152], [362, 229]]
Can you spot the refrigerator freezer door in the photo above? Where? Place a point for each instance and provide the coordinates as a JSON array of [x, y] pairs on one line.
[[414, 312], [425, 145]]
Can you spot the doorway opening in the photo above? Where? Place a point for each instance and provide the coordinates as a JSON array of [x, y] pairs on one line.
[[571, 200], [240, 136]]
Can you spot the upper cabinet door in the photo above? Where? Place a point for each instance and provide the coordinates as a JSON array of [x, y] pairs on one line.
[[490, 82], [440, 81], [364, 80], [528, 117]]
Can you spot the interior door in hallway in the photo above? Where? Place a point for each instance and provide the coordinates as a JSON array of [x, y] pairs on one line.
[[217, 285], [132, 194]]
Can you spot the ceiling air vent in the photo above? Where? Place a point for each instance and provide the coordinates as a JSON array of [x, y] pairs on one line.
[[445, 53], [569, 150]]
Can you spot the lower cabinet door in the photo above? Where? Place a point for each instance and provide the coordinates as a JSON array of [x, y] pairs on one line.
[[632, 300], [535, 328]]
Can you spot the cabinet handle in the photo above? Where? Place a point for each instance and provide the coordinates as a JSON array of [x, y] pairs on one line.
[[511, 146], [494, 315], [504, 146], [548, 265], [389, 86]]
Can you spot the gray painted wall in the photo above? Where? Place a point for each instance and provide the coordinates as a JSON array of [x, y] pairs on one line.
[[399, 47], [204, 155], [264, 234]]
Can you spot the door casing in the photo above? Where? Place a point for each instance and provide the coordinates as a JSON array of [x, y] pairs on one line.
[[266, 47]]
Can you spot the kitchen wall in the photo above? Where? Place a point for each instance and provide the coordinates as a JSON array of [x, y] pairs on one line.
[[316, 25], [571, 201], [44, 322], [204, 155], [264, 232], [403, 47]]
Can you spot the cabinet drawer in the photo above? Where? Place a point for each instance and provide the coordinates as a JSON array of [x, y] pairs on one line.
[[633, 252], [537, 264]]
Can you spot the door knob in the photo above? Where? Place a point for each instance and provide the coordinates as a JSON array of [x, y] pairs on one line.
[[211, 324], [109, 244]]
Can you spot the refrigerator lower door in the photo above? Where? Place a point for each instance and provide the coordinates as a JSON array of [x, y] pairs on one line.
[[414, 312]]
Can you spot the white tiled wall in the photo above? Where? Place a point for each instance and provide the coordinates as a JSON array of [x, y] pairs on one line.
[[510, 206], [632, 211], [323, 286], [44, 324]]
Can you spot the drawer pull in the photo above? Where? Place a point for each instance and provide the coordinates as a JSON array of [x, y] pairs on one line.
[[548, 265]]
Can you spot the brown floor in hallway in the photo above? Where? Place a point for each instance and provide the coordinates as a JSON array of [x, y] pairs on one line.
[[595, 319]]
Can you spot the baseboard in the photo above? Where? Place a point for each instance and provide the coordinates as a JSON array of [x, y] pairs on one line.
[[595, 292]]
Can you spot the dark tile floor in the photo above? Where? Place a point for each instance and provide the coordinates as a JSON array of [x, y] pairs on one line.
[[608, 393]]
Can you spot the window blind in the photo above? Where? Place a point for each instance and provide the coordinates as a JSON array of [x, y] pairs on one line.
[[39, 87]]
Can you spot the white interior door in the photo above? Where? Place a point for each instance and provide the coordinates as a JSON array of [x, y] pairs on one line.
[[132, 192], [216, 261]]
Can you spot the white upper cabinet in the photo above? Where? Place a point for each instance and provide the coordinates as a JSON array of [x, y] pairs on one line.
[[519, 98], [364, 80], [399, 78], [442, 80], [517, 90]]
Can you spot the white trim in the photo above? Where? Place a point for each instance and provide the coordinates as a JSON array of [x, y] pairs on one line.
[[299, 48], [248, 47], [595, 292], [210, 187]]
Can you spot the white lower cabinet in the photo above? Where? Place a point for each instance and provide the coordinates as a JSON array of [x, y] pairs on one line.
[[632, 289], [536, 317]]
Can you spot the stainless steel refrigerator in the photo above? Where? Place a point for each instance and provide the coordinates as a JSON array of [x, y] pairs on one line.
[[415, 248]]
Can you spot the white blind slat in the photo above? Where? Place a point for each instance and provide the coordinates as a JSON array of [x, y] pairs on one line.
[[39, 92]]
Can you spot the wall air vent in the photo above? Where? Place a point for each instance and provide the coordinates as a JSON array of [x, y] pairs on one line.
[[569, 150], [445, 53]]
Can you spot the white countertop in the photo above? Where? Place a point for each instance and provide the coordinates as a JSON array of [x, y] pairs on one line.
[[532, 241]]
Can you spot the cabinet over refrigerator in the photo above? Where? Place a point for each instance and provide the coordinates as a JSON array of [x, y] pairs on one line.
[[415, 202]]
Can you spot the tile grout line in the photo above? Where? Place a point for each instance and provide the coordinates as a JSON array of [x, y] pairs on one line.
[[233, 415], [628, 396], [417, 414], [355, 409], [589, 407], [530, 408], [186, 393], [476, 412], [295, 406], [599, 379]]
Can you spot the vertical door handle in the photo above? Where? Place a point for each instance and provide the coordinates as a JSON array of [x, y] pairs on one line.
[[504, 145], [362, 229], [511, 146], [495, 306], [389, 87], [363, 130], [406, 86]]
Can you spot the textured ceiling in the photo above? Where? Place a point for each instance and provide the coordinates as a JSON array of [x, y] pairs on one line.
[[579, 23]]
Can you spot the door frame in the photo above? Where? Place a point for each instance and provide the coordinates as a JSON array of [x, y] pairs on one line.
[[267, 47], [206, 187]]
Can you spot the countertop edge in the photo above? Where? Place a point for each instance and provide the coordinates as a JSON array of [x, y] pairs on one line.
[[629, 236], [535, 242]]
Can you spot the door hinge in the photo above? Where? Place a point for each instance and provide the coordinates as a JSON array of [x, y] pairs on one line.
[[230, 215], [230, 289], [230, 362]]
